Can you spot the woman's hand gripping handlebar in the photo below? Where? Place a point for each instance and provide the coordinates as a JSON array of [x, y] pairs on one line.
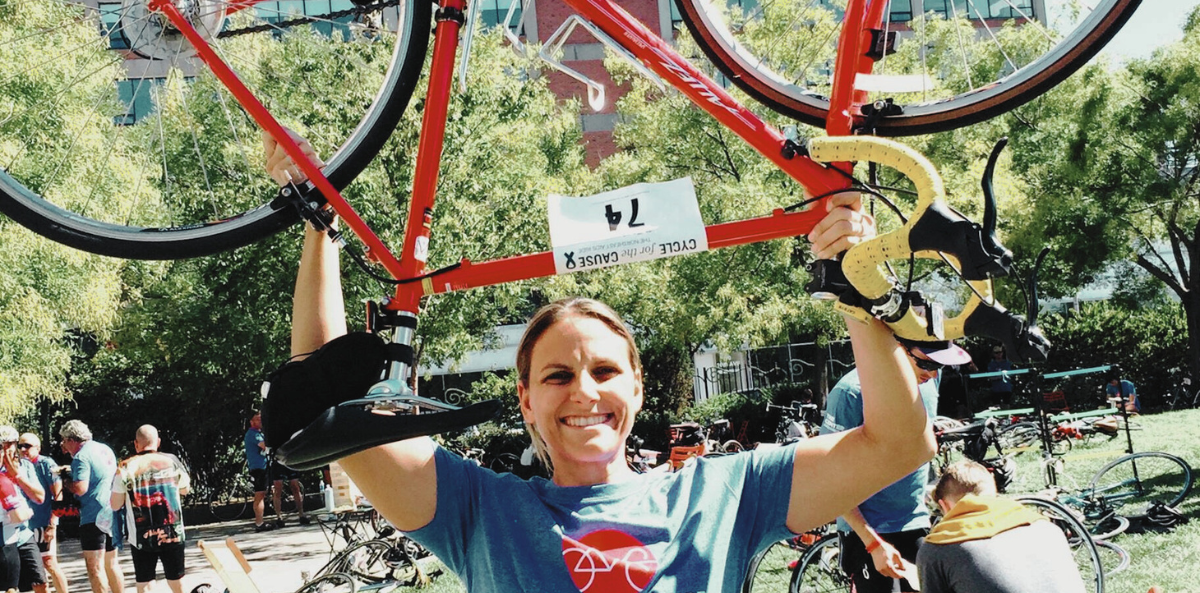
[[934, 231]]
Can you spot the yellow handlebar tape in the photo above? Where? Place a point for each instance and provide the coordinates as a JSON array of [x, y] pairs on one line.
[[863, 263]]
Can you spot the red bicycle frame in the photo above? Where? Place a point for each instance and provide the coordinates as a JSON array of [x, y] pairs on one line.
[[860, 17]]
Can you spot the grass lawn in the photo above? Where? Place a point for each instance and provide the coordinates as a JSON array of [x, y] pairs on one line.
[[1170, 560]]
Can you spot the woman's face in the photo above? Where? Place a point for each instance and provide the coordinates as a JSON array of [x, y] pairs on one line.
[[582, 394]]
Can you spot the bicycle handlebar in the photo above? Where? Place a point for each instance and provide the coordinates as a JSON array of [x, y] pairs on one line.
[[934, 231]]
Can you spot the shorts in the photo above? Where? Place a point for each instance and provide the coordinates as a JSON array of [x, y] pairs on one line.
[[32, 571], [48, 549], [258, 477], [91, 539], [145, 562], [858, 564], [10, 567], [282, 473]]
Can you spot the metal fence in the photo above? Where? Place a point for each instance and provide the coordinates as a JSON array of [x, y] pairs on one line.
[[802, 363]]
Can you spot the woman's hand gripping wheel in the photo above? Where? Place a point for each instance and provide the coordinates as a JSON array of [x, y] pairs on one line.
[[934, 231], [308, 422]]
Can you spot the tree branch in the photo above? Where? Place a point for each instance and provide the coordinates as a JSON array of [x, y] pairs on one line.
[[1161, 275]]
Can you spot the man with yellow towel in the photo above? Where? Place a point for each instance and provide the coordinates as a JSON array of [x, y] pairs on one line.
[[988, 544]]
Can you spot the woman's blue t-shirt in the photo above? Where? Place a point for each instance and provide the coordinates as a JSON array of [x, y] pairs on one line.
[[692, 531]]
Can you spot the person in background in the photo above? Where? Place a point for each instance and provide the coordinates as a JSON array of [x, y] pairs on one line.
[[15, 511], [93, 466], [880, 537], [281, 473], [44, 523], [1002, 387], [1124, 391], [154, 514], [256, 462], [32, 576], [990, 544]]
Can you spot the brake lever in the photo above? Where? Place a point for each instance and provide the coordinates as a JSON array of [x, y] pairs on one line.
[[933, 231]]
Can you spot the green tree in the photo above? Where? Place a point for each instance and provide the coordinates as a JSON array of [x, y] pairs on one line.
[[1114, 170], [50, 294]]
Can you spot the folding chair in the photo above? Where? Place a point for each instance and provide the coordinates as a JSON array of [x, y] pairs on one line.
[[230, 564]]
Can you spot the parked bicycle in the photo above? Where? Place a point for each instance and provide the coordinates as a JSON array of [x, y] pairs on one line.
[[380, 563], [1183, 393]]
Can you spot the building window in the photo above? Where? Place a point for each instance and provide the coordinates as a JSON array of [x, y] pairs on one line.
[[900, 11], [275, 11], [136, 95], [110, 25], [1011, 9], [676, 17], [981, 9], [494, 12]]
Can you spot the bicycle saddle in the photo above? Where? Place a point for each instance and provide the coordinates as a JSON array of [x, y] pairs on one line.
[[332, 403], [349, 428]]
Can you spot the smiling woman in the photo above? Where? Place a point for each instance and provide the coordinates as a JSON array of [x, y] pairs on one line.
[[596, 525]]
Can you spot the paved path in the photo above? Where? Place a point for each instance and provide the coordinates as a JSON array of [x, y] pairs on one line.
[[276, 557]]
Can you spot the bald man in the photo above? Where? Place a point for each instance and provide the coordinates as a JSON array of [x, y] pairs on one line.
[[154, 515]]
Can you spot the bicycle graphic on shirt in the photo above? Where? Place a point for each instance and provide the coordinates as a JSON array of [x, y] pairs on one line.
[[637, 565]]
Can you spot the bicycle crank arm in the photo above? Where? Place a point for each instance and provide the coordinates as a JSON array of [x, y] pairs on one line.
[[347, 429]]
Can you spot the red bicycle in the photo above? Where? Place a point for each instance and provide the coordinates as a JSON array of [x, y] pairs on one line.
[[218, 59]]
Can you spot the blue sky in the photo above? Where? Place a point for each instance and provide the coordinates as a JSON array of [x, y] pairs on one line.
[[1155, 23]]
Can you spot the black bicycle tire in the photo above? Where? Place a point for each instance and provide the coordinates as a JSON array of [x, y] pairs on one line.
[[30, 210], [756, 563], [1065, 515], [965, 109], [1061, 446], [381, 547], [1021, 434], [314, 586], [1119, 525], [504, 463], [1121, 553], [227, 510], [1188, 477], [811, 560]]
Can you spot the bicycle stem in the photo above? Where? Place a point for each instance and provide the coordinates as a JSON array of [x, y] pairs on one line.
[[376, 250]]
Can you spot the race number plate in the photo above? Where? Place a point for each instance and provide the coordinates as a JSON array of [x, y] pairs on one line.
[[636, 223]]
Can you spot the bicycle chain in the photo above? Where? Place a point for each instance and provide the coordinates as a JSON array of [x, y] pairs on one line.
[[357, 10]]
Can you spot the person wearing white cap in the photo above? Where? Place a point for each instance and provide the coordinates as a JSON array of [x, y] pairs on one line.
[[881, 536]]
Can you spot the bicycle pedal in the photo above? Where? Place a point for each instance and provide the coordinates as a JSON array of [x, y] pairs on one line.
[[343, 430]]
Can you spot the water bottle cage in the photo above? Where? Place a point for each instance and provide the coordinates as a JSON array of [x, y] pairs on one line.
[[933, 231]]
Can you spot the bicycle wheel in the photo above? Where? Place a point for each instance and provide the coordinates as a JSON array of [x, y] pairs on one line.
[[504, 463], [232, 502], [819, 570], [1108, 527], [1061, 445], [181, 172], [337, 582], [968, 68], [375, 561], [1130, 483], [1083, 548], [1021, 434], [771, 568], [1114, 558]]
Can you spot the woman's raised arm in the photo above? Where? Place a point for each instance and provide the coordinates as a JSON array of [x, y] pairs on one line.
[[834, 473], [399, 479]]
